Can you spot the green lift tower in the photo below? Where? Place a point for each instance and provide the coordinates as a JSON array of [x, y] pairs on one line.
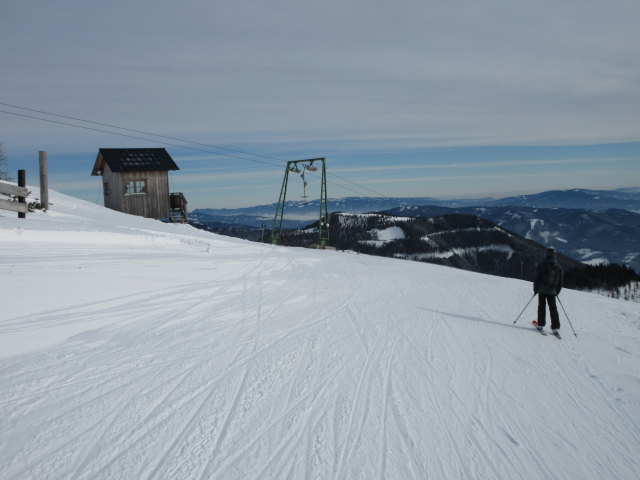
[[300, 167]]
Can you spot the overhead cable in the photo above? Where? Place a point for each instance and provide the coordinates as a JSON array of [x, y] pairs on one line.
[[164, 142]]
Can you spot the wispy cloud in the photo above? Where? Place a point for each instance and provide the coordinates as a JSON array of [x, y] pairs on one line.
[[418, 165], [498, 176], [335, 79], [218, 177]]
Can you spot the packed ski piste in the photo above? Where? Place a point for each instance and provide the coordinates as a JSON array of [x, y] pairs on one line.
[[134, 349]]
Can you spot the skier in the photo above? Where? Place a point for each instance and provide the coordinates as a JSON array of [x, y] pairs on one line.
[[547, 285]]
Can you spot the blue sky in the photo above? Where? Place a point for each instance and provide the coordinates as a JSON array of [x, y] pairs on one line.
[[403, 98]]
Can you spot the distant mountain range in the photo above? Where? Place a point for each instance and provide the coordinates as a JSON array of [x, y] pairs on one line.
[[591, 226], [298, 214], [598, 200], [592, 237]]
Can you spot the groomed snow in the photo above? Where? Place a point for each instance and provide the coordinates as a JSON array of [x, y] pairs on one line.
[[132, 349]]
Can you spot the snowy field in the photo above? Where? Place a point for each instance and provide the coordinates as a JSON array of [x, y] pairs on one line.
[[131, 349]]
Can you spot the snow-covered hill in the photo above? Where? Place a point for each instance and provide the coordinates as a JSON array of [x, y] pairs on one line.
[[133, 349], [593, 237], [468, 242]]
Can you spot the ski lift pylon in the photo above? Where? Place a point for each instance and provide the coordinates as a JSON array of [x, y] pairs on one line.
[[323, 224]]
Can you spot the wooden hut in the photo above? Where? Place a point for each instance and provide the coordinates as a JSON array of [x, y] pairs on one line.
[[136, 181]]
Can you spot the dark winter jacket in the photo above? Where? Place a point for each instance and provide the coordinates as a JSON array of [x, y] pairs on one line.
[[549, 277]]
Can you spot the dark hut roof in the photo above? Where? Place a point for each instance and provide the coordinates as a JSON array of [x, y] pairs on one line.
[[133, 160]]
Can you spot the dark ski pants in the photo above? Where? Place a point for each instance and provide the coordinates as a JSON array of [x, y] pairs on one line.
[[543, 300]]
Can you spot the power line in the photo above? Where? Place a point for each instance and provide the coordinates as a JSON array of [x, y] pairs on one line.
[[139, 131], [161, 142], [76, 119], [358, 185]]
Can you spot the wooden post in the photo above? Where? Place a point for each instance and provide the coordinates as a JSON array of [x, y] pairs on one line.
[[22, 182], [44, 181]]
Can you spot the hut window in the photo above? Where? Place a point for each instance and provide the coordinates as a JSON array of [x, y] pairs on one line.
[[106, 189], [135, 186]]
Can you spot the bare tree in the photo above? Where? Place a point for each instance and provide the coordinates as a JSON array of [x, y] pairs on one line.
[[4, 174]]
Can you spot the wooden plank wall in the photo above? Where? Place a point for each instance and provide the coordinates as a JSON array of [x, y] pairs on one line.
[[152, 204], [112, 197]]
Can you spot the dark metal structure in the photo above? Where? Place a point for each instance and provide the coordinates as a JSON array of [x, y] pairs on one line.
[[299, 167]]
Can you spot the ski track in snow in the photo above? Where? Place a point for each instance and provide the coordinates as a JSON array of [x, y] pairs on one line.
[[240, 361]]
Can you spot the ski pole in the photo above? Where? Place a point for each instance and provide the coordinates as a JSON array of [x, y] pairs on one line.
[[565, 314], [525, 307]]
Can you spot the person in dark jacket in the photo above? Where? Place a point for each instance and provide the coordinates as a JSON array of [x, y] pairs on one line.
[[547, 285]]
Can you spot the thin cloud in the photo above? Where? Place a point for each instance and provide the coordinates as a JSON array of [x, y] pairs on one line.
[[241, 174], [495, 176], [470, 165], [333, 79]]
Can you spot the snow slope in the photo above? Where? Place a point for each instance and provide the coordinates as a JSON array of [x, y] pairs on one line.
[[132, 349]]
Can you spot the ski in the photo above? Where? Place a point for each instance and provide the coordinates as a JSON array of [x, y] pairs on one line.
[[535, 325], [555, 334]]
